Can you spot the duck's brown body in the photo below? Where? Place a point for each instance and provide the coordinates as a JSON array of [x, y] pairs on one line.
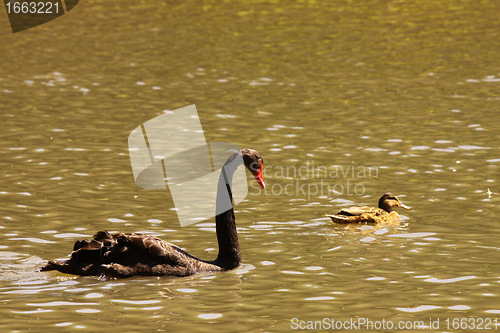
[[368, 214], [371, 215]]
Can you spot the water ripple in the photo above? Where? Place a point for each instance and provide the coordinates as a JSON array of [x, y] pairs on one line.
[[320, 298], [58, 303], [210, 316], [32, 239], [152, 301], [460, 278], [419, 308], [459, 307], [414, 234]]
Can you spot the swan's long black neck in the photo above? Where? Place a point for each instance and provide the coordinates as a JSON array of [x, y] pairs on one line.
[[225, 224]]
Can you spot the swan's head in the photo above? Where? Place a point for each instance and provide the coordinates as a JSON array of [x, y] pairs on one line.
[[389, 201], [255, 164]]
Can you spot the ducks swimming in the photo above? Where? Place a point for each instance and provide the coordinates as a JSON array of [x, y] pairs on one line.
[[124, 255], [368, 214]]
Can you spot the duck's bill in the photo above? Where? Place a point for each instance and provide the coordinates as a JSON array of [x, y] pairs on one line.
[[402, 205]]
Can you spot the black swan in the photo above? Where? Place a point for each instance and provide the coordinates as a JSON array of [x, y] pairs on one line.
[[124, 255], [367, 214]]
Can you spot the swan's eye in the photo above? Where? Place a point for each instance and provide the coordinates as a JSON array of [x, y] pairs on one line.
[[255, 166]]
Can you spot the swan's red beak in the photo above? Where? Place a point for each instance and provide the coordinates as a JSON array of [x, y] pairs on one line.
[[259, 176]]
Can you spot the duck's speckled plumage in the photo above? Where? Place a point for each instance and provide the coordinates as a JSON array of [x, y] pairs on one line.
[[124, 255], [369, 214]]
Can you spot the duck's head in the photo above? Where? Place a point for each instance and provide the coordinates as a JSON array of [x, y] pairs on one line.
[[389, 201], [255, 164]]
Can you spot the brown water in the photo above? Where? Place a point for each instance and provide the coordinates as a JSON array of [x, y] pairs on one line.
[[405, 93]]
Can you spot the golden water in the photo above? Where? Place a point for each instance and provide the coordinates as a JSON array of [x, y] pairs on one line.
[[406, 90]]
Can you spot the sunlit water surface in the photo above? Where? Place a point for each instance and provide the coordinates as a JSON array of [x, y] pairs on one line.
[[345, 102]]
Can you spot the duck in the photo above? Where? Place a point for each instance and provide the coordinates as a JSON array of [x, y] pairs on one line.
[[368, 214], [128, 254]]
